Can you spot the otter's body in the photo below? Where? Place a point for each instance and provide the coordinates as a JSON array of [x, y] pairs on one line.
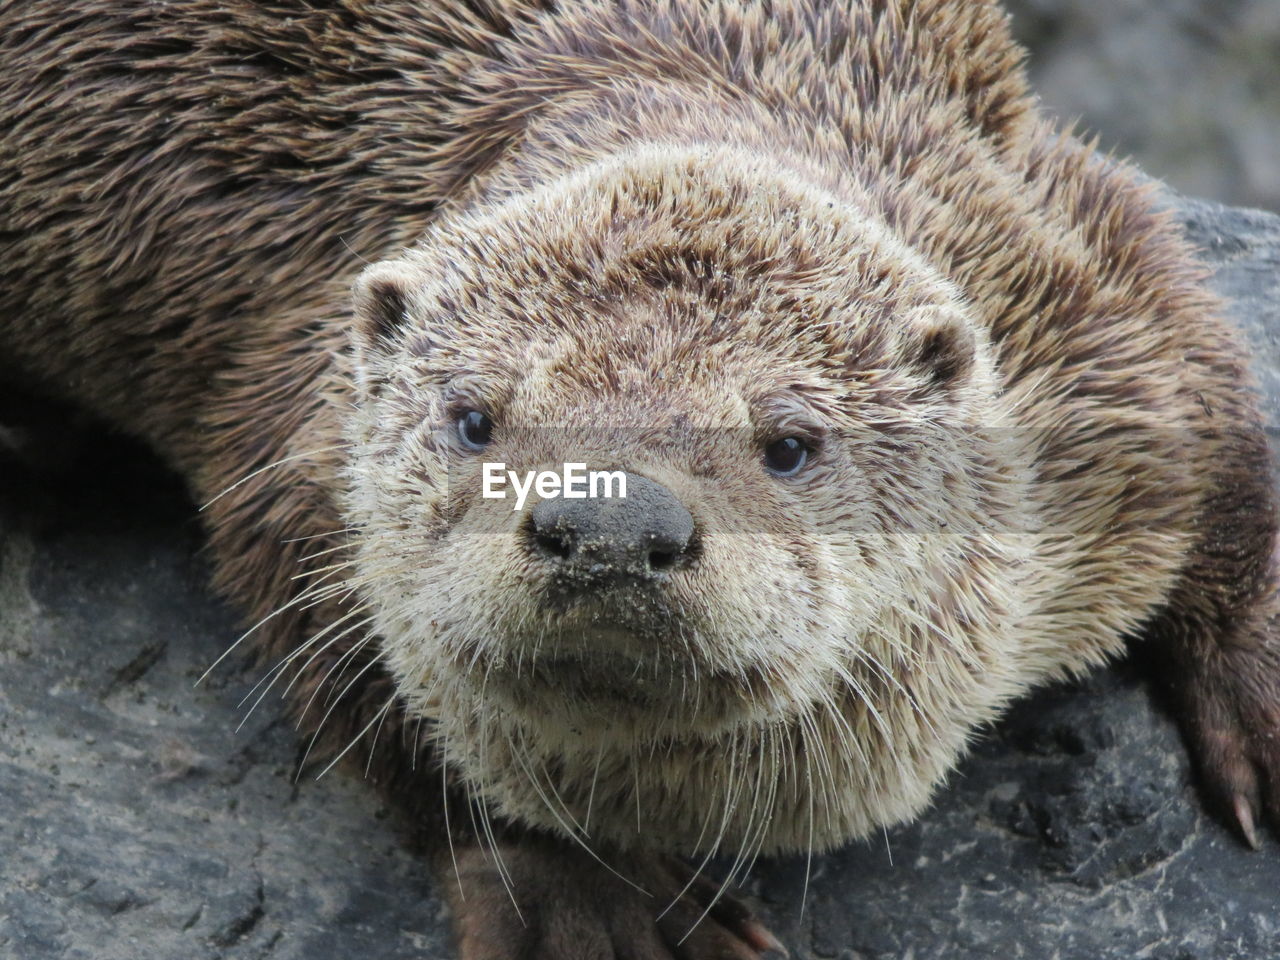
[[926, 403]]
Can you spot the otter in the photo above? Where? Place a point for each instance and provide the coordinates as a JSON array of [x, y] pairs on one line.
[[919, 402]]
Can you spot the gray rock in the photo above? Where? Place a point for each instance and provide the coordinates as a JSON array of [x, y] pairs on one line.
[[137, 822], [1189, 88]]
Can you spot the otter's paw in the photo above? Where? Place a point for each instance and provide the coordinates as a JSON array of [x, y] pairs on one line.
[[570, 907], [1231, 717]]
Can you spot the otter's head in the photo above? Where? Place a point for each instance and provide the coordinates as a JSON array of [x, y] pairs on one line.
[[783, 631]]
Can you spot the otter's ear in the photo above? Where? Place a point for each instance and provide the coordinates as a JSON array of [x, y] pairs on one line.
[[945, 354], [381, 297]]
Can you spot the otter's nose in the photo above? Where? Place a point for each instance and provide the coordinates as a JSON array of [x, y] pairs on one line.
[[597, 540]]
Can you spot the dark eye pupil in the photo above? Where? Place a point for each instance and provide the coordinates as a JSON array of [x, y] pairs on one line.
[[786, 456], [475, 428]]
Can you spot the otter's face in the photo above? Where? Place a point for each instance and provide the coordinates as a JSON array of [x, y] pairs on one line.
[[801, 413]]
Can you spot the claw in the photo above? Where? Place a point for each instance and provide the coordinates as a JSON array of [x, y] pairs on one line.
[[1244, 816], [761, 938]]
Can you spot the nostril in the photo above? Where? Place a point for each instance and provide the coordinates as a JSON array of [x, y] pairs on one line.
[[664, 551], [554, 545], [661, 559]]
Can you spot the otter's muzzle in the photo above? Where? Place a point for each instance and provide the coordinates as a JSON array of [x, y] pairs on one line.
[[597, 542]]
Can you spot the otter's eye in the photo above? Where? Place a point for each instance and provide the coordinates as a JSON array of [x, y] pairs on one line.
[[475, 429], [786, 457]]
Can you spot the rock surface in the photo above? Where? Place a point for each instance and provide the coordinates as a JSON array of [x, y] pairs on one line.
[[137, 822], [1189, 88]]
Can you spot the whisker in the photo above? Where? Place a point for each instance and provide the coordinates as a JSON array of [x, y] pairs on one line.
[[808, 847], [373, 745], [591, 794], [697, 872], [321, 553], [417, 732], [353, 650], [573, 834], [341, 635], [272, 466], [316, 736], [278, 670], [317, 536], [444, 799], [771, 804], [733, 787], [310, 597], [377, 717], [485, 818], [226, 653]]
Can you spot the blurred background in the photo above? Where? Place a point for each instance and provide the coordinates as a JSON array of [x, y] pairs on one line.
[[1190, 89]]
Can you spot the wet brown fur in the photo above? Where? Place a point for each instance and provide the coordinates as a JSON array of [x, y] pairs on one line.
[[188, 191]]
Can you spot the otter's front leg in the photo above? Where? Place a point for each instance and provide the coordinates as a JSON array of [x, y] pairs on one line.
[[1225, 681], [546, 898], [1220, 642]]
